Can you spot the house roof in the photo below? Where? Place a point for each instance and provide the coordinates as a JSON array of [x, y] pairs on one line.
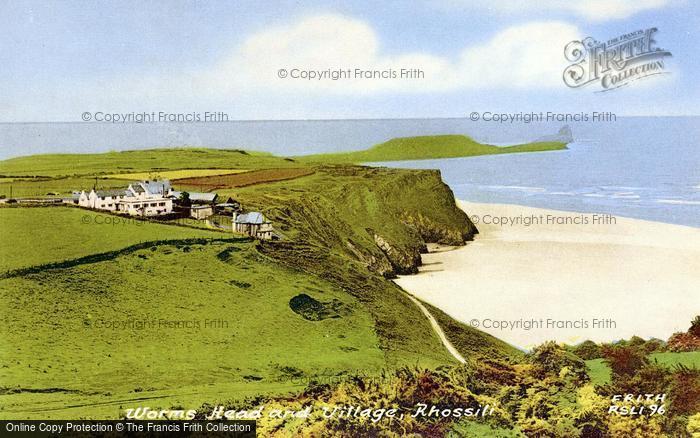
[[157, 187], [197, 196], [137, 188], [254, 217], [111, 193]]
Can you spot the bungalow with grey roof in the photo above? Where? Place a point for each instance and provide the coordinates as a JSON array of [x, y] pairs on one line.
[[253, 224]]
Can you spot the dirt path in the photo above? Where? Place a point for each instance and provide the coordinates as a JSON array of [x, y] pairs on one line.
[[438, 330]]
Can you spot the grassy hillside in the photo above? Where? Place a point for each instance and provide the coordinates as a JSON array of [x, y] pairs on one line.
[[171, 323], [332, 222], [429, 147], [36, 236]]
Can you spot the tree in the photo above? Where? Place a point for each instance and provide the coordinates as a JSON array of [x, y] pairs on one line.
[[695, 327], [687, 341], [550, 359], [624, 361], [185, 199], [588, 350]]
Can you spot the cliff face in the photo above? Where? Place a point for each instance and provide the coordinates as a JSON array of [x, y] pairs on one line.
[[381, 217], [356, 226]]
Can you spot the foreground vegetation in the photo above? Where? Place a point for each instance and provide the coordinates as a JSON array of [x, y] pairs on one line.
[[547, 393]]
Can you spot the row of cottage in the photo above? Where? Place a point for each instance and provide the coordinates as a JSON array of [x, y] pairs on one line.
[[157, 198]]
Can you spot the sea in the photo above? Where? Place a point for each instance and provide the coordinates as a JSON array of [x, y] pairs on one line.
[[639, 167]]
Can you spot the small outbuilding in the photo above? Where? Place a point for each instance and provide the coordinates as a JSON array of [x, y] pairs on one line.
[[253, 224], [201, 211]]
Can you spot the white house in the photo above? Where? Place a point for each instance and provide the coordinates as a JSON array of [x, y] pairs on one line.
[[145, 198]]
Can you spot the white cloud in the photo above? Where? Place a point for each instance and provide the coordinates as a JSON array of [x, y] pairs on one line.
[[593, 10], [529, 55]]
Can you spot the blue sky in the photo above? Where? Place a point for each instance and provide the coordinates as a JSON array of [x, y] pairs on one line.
[[60, 59]]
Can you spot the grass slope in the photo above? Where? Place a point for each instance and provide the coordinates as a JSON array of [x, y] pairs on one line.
[[429, 147], [148, 324], [35, 236]]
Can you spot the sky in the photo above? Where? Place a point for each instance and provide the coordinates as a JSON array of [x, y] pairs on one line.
[[62, 58]]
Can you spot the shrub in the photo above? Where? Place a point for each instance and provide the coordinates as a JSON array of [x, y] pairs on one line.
[[588, 350], [549, 359]]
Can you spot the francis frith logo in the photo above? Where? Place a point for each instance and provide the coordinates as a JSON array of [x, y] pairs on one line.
[[614, 63]]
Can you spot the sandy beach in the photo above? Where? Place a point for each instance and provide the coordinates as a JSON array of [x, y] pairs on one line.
[[533, 275]]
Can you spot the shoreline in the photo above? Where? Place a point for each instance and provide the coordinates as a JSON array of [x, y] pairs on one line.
[[533, 275]]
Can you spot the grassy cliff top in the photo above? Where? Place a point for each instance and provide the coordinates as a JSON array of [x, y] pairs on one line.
[[171, 159], [430, 147], [133, 161]]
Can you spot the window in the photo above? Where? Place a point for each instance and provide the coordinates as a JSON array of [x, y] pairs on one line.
[[154, 204], [161, 204]]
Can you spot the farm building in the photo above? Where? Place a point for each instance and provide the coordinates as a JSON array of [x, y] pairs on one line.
[[196, 197], [254, 224], [230, 206], [146, 198], [201, 211]]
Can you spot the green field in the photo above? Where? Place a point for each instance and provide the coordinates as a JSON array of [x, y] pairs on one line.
[[146, 161], [35, 236], [49, 187], [429, 147], [75, 351], [600, 372], [174, 174]]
